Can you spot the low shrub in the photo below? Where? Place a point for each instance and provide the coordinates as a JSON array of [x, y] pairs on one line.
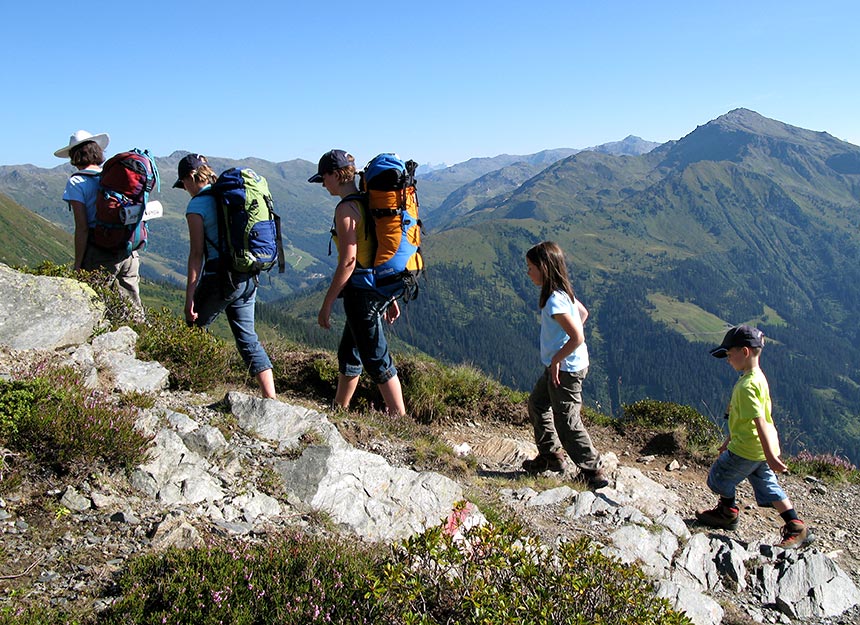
[[447, 574], [698, 431], [304, 373], [197, 359], [293, 580], [38, 616], [435, 392], [56, 419], [497, 574], [829, 467], [432, 391]]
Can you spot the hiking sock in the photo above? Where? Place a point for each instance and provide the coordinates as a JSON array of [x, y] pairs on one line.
[[789, 515], [728, 502]]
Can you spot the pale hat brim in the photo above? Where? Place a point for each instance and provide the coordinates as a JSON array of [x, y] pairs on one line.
[[82, 136]]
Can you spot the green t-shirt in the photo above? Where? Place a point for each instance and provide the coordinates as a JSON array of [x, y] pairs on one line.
[[750, 400]]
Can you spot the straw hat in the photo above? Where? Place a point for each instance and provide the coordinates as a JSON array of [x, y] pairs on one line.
[[82, 136]]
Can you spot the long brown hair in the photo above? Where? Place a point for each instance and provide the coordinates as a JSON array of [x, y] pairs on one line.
[[549, 259]]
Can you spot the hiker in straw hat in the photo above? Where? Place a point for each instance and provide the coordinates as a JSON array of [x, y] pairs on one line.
[[86, 153]]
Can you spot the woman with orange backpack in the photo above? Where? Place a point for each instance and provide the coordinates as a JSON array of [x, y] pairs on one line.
[[363, 344]]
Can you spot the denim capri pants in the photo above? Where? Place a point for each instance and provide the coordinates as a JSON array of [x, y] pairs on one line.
[[730, 469], [363, 345]]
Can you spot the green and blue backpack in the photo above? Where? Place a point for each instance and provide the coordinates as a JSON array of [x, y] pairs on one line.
[[249, 230]]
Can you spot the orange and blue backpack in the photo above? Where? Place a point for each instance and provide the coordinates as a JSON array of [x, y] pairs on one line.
[[390, 200]]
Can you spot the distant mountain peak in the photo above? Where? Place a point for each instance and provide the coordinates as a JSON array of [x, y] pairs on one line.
[[631, 145], [747, 121], [732, 136], [741, 116]]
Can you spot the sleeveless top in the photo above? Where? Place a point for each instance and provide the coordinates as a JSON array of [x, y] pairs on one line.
[[365, 251]]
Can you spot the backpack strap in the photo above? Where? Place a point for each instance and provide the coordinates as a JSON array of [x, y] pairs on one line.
[[86, 172], [222, 226], [361, 198], [282, 261]]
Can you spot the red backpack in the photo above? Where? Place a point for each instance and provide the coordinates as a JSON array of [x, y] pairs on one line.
[[126, 182]]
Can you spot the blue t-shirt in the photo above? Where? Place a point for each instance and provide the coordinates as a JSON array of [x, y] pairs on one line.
[[553, 337], [83, 187], [205, 206]]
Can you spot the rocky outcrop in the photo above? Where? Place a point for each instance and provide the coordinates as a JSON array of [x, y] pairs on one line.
[[39, 312], [635, 521], [191, 464]]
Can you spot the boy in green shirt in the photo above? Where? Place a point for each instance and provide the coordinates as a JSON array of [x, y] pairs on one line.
[[751, 450]]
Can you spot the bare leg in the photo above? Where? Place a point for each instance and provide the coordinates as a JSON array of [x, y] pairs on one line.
[[782, 505], [393, 396], [267, 384], [346, 386]]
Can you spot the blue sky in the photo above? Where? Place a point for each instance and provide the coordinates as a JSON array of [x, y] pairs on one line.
[[435, 81]]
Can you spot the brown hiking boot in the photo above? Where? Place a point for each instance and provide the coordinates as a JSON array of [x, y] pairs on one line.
[[593, 479], [544, 462], [721, 517], [793, 534]]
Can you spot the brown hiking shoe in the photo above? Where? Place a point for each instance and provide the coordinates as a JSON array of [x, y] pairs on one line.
[[721, 517], [593, 479], [793, 534], [544, 462]]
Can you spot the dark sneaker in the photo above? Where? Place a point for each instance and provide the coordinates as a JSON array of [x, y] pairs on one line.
[[721, 517], [593, 479], [541, 463], [793, 534]]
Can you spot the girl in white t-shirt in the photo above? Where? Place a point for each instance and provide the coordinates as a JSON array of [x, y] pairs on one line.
[[555, 403]]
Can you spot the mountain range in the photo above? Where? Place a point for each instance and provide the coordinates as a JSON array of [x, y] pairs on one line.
[[305, 209], [745, 219]]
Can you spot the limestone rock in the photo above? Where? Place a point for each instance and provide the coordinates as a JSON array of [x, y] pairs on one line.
[[41, 312]]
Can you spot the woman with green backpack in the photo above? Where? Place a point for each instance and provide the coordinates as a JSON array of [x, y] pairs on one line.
[[211, 287]]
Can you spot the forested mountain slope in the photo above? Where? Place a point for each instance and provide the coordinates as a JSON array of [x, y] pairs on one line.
[[745, 219]]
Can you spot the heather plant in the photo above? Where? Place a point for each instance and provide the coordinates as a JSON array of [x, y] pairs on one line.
[[52, 416], [38, 615], [451, 573], [829, 467], [497, 574], [137, 399], [295, 579]]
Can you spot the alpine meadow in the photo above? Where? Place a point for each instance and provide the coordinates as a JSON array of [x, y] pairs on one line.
[[743, 220]]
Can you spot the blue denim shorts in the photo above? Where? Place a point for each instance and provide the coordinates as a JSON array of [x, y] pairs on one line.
[[729, 470], [363, 344]]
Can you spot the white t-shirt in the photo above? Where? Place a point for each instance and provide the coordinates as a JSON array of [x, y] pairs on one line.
[[553, 337]]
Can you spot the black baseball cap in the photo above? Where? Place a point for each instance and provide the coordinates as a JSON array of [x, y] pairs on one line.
[[331, 161], [739, 336], [189, 163]]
